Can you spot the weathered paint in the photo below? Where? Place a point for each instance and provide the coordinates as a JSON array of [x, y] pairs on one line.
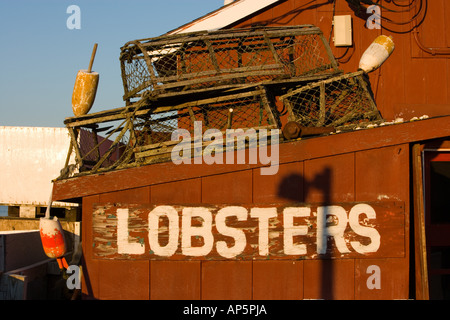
[[84, 92], [52, 237], [349, 169], [30, 158], [248, 232], [367, 165], [412, 82], [377, 53]]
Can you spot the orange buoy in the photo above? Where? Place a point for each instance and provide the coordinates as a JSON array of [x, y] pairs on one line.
[[85, 89], [53, 242], [377, 53]]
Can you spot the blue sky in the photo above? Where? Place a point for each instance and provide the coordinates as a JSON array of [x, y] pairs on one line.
[[40, 56]]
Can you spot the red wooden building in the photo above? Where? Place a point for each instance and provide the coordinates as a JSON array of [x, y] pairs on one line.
[[360, 214]]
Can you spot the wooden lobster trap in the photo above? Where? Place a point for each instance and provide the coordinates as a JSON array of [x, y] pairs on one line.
[[199, 61], [338, 102], [143, 132], [196, 119]]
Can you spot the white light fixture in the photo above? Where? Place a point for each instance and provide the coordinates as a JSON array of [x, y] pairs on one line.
[[343, 31]]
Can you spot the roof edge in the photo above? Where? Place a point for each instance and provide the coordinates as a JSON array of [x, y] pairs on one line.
[[224, 16]]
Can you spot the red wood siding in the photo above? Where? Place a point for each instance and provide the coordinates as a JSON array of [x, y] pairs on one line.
[[285, 186], [370, 165], [329, 279], [268, 286], [412, 82], [175, 280], [328, 179], [229, 188], [229, 280]]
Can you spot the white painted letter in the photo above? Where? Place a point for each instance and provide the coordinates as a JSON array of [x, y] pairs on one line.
[[240, 240], [153, 230], [371, 233], [123, 246], [188, 231], [290, 230], [335, 231], [263, 215]]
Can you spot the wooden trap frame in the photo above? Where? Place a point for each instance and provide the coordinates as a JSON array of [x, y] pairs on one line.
[[224, 79], [141, 133], [199, 61], [344, 101]]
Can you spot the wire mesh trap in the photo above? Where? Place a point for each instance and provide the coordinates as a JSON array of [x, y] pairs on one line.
[[342, 101], [220, 80], [141, 133], [200, 60]]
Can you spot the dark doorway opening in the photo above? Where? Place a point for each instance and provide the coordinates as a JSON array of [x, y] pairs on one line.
[[437, 222]]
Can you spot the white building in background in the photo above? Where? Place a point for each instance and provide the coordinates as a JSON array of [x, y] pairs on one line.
[[30, 158]]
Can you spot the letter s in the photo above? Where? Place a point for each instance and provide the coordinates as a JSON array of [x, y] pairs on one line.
[[369, 232], [240, 240]]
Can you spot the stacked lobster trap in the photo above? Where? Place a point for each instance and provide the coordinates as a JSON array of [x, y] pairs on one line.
[[227, 79], [201, 61], [342, 101]]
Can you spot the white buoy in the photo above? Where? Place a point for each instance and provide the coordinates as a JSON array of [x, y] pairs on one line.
[[52, 237], [377, 53]]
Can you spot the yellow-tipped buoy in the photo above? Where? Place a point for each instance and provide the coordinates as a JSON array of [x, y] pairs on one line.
[[85, 89], [377, 53]]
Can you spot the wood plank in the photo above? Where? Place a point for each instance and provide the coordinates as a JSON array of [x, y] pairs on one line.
[[223, 188], [288, 152], [89, 281], [136, 195], [382, 173], [205, 76], [163, 151], [382, 279], [225, 34], [322, 111], [195, 138], [329, 279], [175, 280], [320, 83], [184, 191], [278, 280], [113, 146], [212, 55], [285, 186], [148, 62], [248, 232], [124, 280], [226, 280], [329, 179]]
